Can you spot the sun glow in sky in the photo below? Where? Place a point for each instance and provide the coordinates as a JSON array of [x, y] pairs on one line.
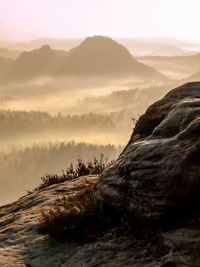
[[29, 19]]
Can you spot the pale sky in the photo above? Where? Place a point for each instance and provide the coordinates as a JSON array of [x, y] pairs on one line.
[[29, 19]]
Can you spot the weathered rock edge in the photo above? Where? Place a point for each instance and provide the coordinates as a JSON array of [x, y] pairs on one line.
[[21, 245], [159, 170]]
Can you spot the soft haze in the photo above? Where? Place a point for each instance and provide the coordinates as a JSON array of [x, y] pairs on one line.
[[28, 19], [75, 77]]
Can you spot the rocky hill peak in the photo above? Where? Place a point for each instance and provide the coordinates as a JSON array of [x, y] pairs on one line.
[[102, 44], [100, 55]]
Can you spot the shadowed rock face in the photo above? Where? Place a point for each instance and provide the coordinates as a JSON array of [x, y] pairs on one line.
[[159, 170]]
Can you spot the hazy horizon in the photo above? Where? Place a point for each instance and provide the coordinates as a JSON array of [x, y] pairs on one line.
[[25, 20], [156, 38]]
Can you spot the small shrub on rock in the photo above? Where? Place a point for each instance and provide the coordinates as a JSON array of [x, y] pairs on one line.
[[97, 166]]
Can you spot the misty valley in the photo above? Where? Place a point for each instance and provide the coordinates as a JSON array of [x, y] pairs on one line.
[[60, 102], [99, 133]]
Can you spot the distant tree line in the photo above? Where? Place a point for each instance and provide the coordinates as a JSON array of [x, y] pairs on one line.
[[16, 123], [21, 170]]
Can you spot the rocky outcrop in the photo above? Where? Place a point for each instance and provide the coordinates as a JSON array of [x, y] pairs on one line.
[[22, 245], [159, 170]]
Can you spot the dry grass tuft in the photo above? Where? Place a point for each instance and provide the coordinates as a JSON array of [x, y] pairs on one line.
[[75, 216]]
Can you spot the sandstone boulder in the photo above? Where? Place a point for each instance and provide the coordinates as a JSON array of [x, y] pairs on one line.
[[159, 170]]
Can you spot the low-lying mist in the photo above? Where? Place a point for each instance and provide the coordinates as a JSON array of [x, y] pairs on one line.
[[65, 95], [41, 120], [22, 128]]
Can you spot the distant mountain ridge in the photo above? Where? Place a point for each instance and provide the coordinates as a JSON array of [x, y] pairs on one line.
[[158, 46], [178, 67], [162, 46], [36, 63], [95, 56]]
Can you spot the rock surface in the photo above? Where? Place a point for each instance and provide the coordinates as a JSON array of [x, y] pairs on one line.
[[22, 245], [159, 170]]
